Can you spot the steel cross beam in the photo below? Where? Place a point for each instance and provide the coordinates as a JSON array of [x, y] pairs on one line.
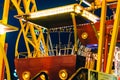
[[25, 27], [113, 39], [101, 37], [2, 42]]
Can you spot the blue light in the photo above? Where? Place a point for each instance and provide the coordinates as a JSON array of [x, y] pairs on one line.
[[15, 73], [92, 45]]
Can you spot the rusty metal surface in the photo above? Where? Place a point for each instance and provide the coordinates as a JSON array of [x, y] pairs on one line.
[[92, 39], [51, 64]]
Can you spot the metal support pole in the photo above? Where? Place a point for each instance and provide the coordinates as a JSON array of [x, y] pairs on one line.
[[106, 50], [94, 29], [113, 39], [102, 35], [75, 31], [2, 41], [34, 39]]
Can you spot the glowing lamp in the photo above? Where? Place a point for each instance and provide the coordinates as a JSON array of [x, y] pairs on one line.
[[59, 16], [63, 74], [56, 11], [84, 35], [87, 2], [42, 77], [7, 28], [26, 75], [93, 18]]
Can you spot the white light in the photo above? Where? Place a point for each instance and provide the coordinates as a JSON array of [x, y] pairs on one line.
[[90, 16], [2, 30], [53, 11], [7, 28], [87, 3], [78, 9], [118, 56]]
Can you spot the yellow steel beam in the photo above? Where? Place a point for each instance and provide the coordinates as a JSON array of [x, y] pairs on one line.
[[102, 35], [34, 39], [111, 0], [20, 12], [43, 42], [23, 25], [47, 40], [98, 2], [34, 42], [94, 29], [26, 5], [17, 41], [3, 54], [113, 39], [2, 41], [34, 7], [75, 31], [17, 6]]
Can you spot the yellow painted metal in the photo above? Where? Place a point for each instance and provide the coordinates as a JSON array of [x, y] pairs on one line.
[[17, 41], [102, 35], [2, 40], [48, 41], [41, 38], [25, 27], [43, 41], [27, 5], [99, 2], [75, 30], [106, 0], [17, 6], [113, 39], [34, 39], [111, 0], [3, 54], [24, 35], [94, 29]]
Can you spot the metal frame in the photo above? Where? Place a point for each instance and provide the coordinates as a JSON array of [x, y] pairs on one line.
[[113, 39], [25, 27], [101, 37], [2, 42]]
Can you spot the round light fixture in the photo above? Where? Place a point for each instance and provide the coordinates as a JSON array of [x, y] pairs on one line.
[[63, 74], [26, 75], [84, 35]]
